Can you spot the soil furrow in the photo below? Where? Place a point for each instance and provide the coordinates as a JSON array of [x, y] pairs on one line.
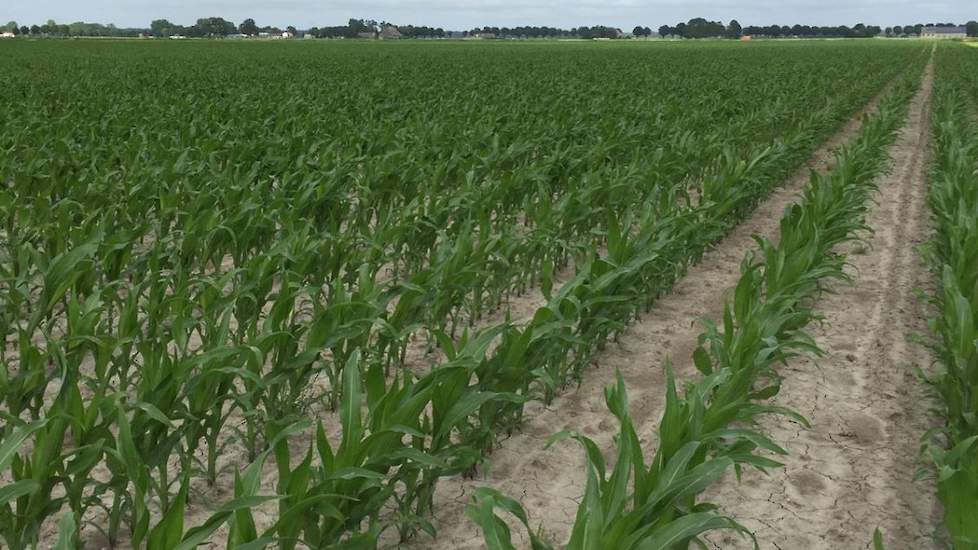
[[549, 482], [853, 470]]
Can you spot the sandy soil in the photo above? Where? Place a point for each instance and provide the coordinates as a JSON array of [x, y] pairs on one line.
[[853, 471], [549, 482]]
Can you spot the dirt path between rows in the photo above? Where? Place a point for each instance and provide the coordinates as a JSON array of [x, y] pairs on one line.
[[853, 470], [549, 482]]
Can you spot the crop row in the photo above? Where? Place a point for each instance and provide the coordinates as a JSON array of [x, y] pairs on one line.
[[179, 293], [952, 450], [712, 427]]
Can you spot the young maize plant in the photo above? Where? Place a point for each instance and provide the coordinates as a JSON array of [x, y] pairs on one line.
[[713, 427], [168, 292], [952, 450]]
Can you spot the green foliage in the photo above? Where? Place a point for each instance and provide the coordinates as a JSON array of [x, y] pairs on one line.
[[952, 450], [201, 255], [713, 425]]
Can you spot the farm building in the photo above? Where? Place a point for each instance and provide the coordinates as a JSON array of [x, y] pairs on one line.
[[7, 34], [944, 32]]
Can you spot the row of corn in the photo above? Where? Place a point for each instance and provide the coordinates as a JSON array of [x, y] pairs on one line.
[[712, 426], [951, 451]]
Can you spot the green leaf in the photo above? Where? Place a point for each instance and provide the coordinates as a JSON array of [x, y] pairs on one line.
[[13, 491], [671, 535], [67, 530], [169, 531], [878, 540], [10, 446], [154, 412], [198, 535], [350, 406], [701, 359], [462, 409]]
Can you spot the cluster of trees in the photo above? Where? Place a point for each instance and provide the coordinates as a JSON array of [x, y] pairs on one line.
[[805, 31], [701, 28], [912, 30], [520, 32], [353, 29], [597, 31], [250, 28], [641, 31], [410, 31], [213, 27], [79, 28]]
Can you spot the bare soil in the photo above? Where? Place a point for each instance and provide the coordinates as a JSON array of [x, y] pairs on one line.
[[550, 482], [853, 470]]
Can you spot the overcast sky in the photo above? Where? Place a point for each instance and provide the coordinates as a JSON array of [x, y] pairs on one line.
[[465, 14]]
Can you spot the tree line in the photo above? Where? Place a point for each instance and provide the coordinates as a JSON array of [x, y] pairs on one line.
[[597, 31], [702, 28], [51, 28], [216, 27]]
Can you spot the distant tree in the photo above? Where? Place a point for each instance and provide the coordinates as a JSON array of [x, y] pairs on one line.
[[972, 27], [889, 31], [10, 27], [696, 28], [15, 30], [161, 27], [638, 31], [358, 26], [292, 30], [214, 26], [898, 30], [24, 30], [248, 27], [734, 30], [665, 30], [35, 30], [701, 28]]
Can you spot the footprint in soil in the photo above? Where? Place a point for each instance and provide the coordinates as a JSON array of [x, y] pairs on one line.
[[865, 429], [807, 482]]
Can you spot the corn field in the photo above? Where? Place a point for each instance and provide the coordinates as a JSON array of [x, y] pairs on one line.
[[272, 287]]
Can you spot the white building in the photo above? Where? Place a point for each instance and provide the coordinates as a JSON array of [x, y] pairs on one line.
[[7, 34], [944, 33]]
